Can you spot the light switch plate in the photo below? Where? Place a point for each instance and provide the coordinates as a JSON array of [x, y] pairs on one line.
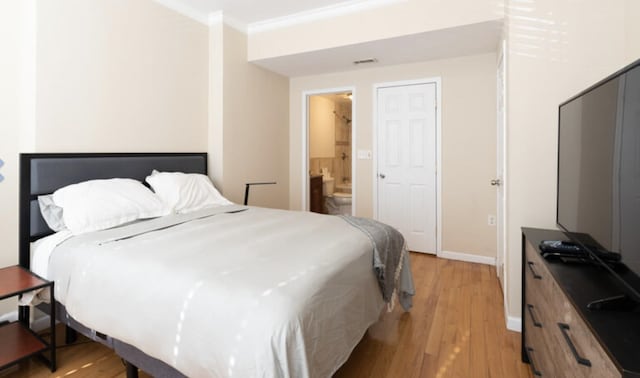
[[364, 154]]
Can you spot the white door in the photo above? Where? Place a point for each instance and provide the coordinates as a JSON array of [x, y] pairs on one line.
[[407, 153]]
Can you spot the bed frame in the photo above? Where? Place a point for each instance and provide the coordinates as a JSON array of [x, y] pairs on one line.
[[43, 174]]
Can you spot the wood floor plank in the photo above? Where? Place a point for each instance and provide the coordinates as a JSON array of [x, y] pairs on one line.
[[455, 329]]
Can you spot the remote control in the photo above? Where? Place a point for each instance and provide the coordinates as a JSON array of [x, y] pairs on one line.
[[561, 247]]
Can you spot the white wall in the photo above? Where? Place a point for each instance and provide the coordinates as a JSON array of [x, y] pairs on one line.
[[468, 142], [556, 49]]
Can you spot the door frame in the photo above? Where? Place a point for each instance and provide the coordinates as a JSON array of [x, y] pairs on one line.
[[501, 231], [438, 83], [305, 143]]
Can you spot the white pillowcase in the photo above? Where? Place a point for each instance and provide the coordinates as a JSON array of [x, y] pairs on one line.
[[51, 213], [185, 192], [100, 204]]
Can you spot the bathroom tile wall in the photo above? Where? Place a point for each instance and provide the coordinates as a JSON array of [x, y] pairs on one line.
[[342, 161]]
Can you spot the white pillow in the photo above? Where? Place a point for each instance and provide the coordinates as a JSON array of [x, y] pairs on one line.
[[100, 204], [185, 192], [51, 213]]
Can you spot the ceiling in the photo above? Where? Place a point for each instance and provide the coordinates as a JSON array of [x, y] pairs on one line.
[[439, 44], [253, 11], [465, 40]]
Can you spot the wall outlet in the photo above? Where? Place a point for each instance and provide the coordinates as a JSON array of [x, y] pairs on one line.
[[491, 220]]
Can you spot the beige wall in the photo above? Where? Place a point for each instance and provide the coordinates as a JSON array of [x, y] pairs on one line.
[[215, 137], [17, 75], [400, 18], [556, 48], [95, 76], [632, 40], [254, 105], [322, 128], [120, 75], [468, 142]]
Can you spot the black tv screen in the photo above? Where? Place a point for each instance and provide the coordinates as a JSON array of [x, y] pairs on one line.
[[599, 169]]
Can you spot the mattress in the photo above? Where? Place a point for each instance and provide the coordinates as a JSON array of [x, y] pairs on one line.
[[224, 292]]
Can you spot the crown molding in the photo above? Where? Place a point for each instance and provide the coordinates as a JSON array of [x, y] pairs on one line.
[[185, 10], [219, 17], [318, 14], [210, 19], [336, 10]]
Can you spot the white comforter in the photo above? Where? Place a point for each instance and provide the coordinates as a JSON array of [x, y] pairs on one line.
[[257, 293]]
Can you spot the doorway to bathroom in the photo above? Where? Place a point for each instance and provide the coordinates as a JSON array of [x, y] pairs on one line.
[[329, 163]]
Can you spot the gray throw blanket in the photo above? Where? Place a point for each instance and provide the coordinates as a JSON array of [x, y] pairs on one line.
[[390, 260]]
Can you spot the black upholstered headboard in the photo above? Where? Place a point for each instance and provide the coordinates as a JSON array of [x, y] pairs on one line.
[[44, 173]]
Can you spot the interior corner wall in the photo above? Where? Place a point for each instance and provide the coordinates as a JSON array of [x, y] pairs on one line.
[[555, 50], [254, 123], [215, 136], [120, 75], [468, 142]]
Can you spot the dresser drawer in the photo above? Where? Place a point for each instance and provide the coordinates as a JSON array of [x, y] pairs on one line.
[[571, 347], [538, 277], [538, 350], [578, 351]]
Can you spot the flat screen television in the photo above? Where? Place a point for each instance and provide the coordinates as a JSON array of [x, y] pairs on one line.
[[598, 192]]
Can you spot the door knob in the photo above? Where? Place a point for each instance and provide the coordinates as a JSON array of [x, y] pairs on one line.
[[495, 182], [382, 175]]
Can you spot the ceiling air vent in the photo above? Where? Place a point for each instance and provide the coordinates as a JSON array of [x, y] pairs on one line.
[[365, 61]]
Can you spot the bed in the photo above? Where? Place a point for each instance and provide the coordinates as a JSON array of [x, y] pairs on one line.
[[225, 291]]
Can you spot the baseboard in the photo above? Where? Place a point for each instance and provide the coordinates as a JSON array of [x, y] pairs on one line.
[[514, 323], [468, 257]]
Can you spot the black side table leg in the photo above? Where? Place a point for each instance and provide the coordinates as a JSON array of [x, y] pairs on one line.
[[52, 317], [23, 315]]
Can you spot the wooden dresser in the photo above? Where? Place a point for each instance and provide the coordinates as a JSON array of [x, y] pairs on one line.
[[560, 336]]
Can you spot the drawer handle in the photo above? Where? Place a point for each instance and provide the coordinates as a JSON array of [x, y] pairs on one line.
[[564, 328], [533, 271], [536, 372], [533, 317]]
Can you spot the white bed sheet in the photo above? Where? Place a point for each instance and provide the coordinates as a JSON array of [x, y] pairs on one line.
[[41, 250], [259, 293]]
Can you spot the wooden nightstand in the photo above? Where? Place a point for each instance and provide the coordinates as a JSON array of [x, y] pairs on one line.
[[17, 340]]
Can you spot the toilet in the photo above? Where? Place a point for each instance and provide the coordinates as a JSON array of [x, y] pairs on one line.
[[336, 202]]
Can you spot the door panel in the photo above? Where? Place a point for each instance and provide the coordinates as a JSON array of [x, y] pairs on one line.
[[407, 162]]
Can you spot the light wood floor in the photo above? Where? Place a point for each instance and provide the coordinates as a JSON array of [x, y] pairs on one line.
[[455, 329]]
